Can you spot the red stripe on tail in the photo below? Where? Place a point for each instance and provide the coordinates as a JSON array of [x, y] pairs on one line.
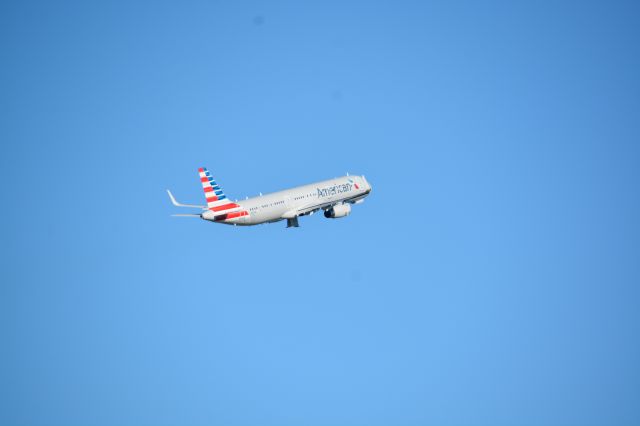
[[224, 207]]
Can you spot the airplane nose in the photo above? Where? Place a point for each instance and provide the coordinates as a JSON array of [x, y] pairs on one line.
[[367, 185]]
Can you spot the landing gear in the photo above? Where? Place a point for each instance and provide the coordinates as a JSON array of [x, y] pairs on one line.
[[293, 222]]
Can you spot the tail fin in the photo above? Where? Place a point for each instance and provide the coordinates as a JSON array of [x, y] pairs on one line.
[[212, 191]]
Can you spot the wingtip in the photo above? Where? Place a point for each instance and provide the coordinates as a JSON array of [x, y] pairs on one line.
[[172, 198]]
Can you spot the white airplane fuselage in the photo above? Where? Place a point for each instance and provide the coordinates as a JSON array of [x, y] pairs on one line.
[[335, 196]]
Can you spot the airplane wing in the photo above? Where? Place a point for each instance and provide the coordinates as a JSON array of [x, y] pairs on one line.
[[177, 204], [314, 206]]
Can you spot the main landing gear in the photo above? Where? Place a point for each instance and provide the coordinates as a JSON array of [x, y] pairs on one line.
[[293, 222]]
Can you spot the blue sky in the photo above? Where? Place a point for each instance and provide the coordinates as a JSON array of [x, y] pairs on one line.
[[490, 279]]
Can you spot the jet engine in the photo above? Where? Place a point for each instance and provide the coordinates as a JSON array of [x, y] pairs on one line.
[[341, 210]]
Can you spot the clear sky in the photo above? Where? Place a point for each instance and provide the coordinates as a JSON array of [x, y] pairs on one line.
[[491, 278]]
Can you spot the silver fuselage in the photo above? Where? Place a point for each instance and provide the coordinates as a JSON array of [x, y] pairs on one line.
[[298, 201]]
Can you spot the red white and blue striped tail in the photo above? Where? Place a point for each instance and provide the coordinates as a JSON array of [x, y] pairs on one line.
[[216, 199]]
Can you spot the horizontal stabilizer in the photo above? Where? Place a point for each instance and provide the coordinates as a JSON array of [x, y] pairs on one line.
[[186, 215]]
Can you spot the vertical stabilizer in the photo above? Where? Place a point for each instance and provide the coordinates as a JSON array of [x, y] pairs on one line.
[[212, 191], [216, 200]]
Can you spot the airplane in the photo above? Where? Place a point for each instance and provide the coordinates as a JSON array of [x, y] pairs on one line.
[[334, 196]]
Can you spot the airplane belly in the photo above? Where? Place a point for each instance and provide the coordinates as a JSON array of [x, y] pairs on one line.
[[257, 217], [253, 219]]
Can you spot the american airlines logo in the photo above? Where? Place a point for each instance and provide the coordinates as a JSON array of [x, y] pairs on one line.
[[333, 190]]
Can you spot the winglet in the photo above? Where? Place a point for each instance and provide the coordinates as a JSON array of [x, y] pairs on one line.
[[173, 199], [177, 204]]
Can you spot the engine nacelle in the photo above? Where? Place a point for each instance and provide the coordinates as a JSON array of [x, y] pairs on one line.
[[341, 210]]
